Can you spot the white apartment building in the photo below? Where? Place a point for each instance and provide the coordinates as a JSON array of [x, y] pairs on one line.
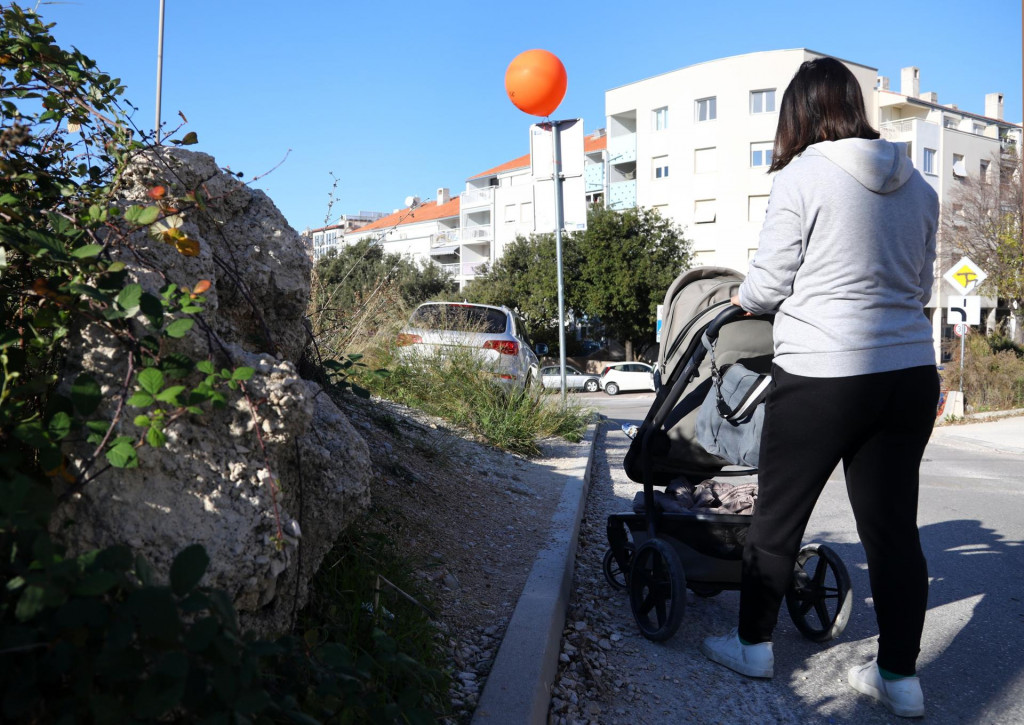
[[696, 143], [468, 231], [421, 231], [320, 241]]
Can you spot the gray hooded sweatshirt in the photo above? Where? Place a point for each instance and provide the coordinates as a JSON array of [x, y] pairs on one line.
[[845, 260]]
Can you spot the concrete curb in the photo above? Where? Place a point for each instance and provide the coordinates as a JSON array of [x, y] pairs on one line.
[[518, 688]]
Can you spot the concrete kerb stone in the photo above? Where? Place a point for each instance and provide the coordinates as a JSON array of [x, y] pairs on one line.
[[518, 688]]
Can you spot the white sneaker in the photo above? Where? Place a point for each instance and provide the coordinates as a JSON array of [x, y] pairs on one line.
[[902, 697], [752, 660]]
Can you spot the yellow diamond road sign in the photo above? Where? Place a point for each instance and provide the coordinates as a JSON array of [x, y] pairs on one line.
[[965, 276]]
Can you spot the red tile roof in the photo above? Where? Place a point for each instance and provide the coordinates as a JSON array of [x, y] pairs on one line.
[[591, 143], [423, 213]]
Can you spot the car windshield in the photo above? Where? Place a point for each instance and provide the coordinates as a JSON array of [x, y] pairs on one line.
[[462, 318]]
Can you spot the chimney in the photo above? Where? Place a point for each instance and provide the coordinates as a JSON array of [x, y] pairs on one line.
[[930, 96], [994, 105], [882, 83], [910, 81], [443, 196]]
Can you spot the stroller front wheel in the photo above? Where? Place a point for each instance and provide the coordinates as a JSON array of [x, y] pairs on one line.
[[616, 573], [821, 596], [657, 589]]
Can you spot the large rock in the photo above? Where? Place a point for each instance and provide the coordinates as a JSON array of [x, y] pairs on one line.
[[265, 483]]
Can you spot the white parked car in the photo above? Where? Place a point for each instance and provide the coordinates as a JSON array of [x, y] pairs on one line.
[[496, 335], [627, 376], [551, 377]]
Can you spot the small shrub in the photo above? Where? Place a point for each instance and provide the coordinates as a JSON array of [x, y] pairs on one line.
[[993, 373]]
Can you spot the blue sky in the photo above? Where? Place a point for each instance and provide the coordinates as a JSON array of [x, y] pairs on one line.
[[399, 98]]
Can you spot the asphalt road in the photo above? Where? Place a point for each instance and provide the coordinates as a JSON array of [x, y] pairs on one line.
[[972, 668]]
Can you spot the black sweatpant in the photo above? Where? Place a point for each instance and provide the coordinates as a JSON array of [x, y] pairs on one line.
[[878, 426]]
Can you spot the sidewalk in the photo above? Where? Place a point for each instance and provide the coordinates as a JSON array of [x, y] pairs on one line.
[[1002, 435]]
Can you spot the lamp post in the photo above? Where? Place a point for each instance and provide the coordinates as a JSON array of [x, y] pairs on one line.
[[159, 68]]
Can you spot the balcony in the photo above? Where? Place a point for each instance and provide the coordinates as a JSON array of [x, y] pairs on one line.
[[897, 130], [622, 148], [444, 238], [622, 195], [593, 176], [477, 197], [477, 234], [452, 269]]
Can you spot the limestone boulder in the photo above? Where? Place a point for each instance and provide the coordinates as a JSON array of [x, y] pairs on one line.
[[266, 482]]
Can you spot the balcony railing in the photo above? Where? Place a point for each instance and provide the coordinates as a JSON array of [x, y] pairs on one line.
[[471, 268], [896, 130], [443, 239], [482, 233], [477, 197], [452, 268]]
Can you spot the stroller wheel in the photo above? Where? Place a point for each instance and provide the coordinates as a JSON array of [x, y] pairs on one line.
[[820, 598], [615, 573], [657, 589]]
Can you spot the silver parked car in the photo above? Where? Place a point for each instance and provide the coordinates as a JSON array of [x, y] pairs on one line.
[[627, 376], [551, 377], [496, 335]]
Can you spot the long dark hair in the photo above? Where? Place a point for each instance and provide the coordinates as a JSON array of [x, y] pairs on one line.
[[823, 102]]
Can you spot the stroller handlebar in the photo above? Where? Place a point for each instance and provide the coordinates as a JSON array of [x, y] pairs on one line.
[[724, 317]]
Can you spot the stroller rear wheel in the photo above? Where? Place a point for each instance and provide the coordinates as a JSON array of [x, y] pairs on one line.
[[616, 572], [820, 598], [657, 589]]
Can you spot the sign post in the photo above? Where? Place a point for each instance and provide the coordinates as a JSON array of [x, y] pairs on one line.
[[964, 311]]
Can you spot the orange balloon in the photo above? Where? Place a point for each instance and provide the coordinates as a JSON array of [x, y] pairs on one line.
[[535, 82]]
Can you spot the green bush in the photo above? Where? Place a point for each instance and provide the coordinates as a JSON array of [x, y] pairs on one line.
[[993, 373]]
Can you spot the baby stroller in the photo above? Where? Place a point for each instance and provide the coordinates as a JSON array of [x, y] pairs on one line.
[[656, 552]]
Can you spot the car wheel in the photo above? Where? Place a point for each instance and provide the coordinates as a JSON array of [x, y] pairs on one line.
[[591, 386], [611, 389]]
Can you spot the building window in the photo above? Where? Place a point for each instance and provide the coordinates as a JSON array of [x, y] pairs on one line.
[[660, 118], [510, 213], [762, 101], [761, 154], [959, 167], [705, 160], [983, 171], [979, 129], [660, 166], [757, 207], [704, 211], [526, 213], [929, 161], [950, 122], [707, 109]]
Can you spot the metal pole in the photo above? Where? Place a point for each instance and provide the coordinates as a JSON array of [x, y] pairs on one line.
[[964, 329], [159, 69], [559, 222]]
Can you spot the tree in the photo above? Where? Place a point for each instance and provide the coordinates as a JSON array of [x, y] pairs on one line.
[[983, 221], [628, 261]]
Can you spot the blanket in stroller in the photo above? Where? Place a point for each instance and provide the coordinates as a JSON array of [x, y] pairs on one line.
[[706, 497]]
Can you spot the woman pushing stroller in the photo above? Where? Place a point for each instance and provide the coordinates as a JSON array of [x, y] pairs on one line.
[[845, 263]]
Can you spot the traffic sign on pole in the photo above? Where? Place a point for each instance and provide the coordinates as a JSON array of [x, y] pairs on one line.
[[965, 276]]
